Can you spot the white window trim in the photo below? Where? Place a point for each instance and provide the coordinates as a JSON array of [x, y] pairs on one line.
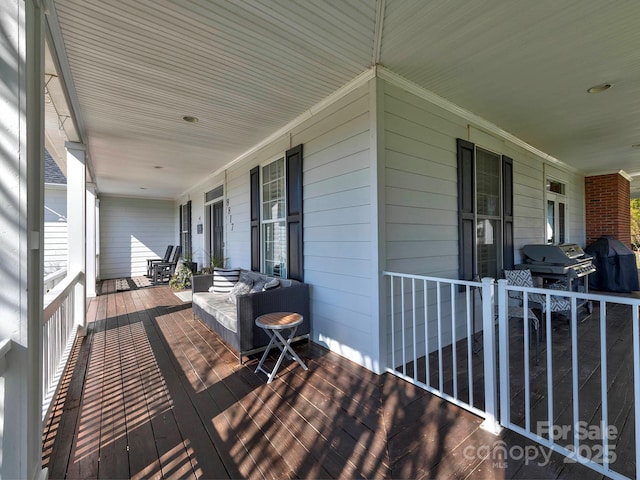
[[264, 222]]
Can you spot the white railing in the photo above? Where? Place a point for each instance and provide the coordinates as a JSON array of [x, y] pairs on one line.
[[58, 333], [564, 400], [53, 279], [585, 435], [433, 324], [5, 346]]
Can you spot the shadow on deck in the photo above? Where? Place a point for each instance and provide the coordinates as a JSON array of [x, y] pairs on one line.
[[151, 392]]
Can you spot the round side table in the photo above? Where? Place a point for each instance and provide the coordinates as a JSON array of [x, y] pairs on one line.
[[275, 325]]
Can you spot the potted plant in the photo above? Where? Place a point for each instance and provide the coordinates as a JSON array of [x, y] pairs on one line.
[[214, 262], [181, 278]]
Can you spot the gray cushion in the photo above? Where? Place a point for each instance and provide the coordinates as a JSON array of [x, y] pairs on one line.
[[215, 304], [244, 285], [271, 284]]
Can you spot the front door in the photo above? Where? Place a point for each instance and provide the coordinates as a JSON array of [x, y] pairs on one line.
[[216, 232]]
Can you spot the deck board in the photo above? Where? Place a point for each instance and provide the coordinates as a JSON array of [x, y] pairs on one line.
[[153, 393]]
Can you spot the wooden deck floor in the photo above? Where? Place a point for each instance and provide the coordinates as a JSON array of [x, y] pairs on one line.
[[153, 393]]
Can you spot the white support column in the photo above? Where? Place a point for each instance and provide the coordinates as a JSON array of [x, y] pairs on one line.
[[76, 223], [91, 245], [21, 236]]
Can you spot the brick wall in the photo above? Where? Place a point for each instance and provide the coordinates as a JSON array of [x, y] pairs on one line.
[[607, 200]]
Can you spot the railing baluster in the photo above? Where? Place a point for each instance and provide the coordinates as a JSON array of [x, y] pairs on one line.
[[525, 356], [547, 320], [393, 323], [454, 353], [439, 309], [574, 368], [469, 343], [426, 331], [603, 385], [636, 385], [415, 333], [404, 344]]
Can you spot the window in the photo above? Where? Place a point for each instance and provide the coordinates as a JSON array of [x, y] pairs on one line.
[[185, 230], [274, 234], [276, 216], [485, 209], [556, 215]]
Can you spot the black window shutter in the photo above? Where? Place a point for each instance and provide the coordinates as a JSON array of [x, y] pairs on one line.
[[466, 210], [295, 257], [507, 213], [180, 227], [254, 183], [189, 245]]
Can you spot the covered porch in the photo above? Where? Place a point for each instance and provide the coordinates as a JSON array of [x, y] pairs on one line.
[[150, 392]]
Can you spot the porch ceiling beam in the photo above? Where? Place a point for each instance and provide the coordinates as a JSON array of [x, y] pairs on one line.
[[377, 37], [58, 53]]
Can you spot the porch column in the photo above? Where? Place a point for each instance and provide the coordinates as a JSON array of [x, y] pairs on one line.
[[92, 232], [76, 223], [21, 237], [607, 205]]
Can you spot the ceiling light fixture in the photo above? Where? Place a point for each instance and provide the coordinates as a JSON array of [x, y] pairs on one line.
[[603, 87], [190, 119]]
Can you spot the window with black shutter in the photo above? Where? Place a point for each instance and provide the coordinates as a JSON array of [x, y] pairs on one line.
[[185, 230], [485, 212], [276, 216]]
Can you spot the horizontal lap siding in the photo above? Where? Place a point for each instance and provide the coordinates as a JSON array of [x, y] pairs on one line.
[[338, 227], [421, 185], [337, 219], [55, 246], [55, 229], [132, 230], [421, 197]]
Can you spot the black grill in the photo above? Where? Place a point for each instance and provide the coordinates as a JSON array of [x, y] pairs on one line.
[[563, 260]]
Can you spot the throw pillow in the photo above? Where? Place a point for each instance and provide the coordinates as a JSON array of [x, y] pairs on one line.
[[273, 283], [258, 285], [225, 279], [241, 288]]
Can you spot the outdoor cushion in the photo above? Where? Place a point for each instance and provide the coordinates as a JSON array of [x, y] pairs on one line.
[[242, 287], [225, 279], [217, 306]]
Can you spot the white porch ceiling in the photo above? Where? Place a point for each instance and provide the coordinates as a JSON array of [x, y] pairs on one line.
[[246, 69]]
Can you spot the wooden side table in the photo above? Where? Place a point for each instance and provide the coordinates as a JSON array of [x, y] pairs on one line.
[[275, 324]]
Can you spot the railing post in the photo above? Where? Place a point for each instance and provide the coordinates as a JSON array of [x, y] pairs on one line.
[[489, 348], [503, 342]]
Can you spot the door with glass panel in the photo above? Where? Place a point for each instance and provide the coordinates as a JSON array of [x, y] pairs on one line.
[[216, 231], [556, 224]]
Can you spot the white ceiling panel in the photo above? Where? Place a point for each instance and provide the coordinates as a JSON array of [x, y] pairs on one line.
[[247, 68]]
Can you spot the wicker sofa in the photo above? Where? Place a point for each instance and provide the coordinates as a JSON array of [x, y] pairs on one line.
[[235, 321]]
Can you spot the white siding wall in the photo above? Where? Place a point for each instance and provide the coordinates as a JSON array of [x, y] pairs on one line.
[[132, 230], [340, 252], [421, 186], [421, 192], [55, 229], [419, 205]]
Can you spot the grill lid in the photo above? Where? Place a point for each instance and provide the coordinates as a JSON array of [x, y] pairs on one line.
[[563, 253]]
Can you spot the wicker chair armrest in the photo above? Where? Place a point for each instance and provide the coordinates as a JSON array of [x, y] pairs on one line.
[[201, 283]]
